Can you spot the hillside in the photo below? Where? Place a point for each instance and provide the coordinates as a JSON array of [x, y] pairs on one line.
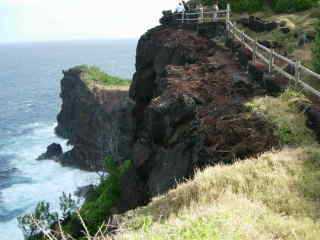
[[299, 24], [273, 196]]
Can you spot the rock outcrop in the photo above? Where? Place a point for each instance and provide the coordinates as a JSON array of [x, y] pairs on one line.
[[94, 118], [189, 111], [186, 112], [54, 152]]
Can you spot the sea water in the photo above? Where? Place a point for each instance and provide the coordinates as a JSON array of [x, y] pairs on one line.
[[30, 75]]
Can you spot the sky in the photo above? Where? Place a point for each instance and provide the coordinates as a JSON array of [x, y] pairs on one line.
[[50, 20]]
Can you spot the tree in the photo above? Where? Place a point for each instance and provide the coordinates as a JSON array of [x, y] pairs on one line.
[[68, 205], [41, 220]]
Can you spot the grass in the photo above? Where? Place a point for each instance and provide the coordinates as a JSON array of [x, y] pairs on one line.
[[285, 114], [298, 21], [95, 75], [274, 196]]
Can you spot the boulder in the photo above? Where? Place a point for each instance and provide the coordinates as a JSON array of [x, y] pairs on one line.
[[244, 55], [84, 192], [269, 26], [282, 23], [313, 122], [244, 22], [54, 152], [241, 84], [256, 24], [311, 35], [271, 85], [285, 30], [257, 71]]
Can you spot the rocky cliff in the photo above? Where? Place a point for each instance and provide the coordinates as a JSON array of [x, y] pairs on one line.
[[189, 112], [186, 112], [89, 119]]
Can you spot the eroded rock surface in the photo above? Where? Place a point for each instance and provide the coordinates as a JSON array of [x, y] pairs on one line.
[[54, 152], [95, 118], [189, 110], [186, 112]]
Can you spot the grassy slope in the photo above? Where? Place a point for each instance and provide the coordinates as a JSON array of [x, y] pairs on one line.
[[275, 196], [297, 22]]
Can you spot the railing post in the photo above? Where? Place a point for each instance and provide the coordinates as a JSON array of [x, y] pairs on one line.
[[255, 48], [201, 15], [242, 38], [271, 60], [183, 13], [228, 17], [298, 71]]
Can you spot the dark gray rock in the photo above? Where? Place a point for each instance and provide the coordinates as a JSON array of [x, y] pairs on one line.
[[95, 119], [84, 192], [285, 30], [313, 116], [54, 152]]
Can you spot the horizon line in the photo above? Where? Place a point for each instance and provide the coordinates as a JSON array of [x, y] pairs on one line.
[[67, 40]]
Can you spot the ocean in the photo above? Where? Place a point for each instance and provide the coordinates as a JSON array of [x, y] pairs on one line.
[[30, 75]]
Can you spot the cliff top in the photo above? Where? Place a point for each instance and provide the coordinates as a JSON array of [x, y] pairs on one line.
[[95, 77]]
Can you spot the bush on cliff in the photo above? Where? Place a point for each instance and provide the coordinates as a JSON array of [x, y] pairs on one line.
[[41, 219], [98, 206], [292, 5]]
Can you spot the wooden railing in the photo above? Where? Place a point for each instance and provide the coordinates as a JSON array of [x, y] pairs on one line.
[[275, 61]]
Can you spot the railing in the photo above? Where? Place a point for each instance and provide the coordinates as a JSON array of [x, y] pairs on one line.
[[275, 61], [202, 16]]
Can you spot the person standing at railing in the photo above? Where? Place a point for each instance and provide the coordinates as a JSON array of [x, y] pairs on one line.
[[180, 12], [180, 8]]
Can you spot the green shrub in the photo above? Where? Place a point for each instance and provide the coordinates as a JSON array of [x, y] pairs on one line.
[[41, 217], [98, 206], [258, 5], [238, 6], [292, 5]]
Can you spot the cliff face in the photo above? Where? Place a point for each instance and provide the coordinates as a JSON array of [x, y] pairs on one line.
[[189, 111], [89, 118]]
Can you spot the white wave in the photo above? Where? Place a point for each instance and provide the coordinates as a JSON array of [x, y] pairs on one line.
[[47, 180]]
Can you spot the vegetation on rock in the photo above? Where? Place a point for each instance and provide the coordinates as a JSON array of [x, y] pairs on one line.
[[94, 74], [98, 205]]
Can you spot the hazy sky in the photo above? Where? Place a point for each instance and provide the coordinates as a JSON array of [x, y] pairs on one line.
[[43, 20]]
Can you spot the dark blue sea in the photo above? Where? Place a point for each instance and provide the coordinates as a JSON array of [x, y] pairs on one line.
[[30, 75]]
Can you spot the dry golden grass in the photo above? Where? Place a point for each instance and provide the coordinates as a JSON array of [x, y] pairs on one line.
[[274, 196]]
